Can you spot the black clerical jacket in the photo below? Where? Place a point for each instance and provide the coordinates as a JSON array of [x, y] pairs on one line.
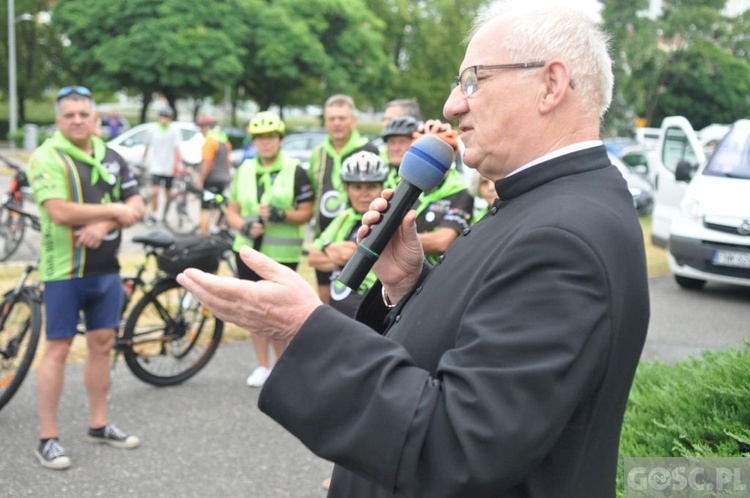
[[505, 373]]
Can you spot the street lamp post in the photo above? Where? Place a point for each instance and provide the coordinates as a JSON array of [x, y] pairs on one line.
[[13, 86]]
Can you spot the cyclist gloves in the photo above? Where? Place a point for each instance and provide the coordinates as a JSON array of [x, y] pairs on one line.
[[248, 225], [276, 215]]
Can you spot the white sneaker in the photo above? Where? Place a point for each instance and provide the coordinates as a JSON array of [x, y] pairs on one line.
[[258, 377]]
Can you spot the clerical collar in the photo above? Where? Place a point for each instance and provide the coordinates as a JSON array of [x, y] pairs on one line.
[[557, 153]]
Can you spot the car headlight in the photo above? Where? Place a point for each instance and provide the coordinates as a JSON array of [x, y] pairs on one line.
[[691, 208]]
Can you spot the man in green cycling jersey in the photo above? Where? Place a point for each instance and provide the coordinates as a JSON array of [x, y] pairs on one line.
[[86, 194]]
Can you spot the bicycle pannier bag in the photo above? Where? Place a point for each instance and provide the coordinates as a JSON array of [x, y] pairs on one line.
[[194, 251]]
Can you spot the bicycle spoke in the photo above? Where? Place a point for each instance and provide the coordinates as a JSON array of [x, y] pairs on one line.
[[170, 337], [18, 341]]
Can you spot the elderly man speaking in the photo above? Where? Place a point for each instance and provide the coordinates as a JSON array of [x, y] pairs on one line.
[[504, 370]]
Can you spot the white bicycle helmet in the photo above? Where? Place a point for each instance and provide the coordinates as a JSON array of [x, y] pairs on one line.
[[364, 167]]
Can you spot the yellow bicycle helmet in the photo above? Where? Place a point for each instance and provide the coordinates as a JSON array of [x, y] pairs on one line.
[[266, 122]]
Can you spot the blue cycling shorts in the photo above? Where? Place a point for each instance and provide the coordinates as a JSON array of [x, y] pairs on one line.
[[99, 297]]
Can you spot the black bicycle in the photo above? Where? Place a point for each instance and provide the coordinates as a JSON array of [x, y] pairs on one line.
[[13, 225], [183, 208], [166, 337], [20, 324], [143, 177]]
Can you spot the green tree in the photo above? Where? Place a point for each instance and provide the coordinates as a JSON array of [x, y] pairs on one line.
[[684, 62], [425, 42], [711, 76], [176, 48], [302, 52], [38, 51], [622, 20]]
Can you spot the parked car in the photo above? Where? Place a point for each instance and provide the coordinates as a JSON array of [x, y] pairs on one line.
[[639, 187], [131, 143], [298, 145], [702, 206], [639, 159]]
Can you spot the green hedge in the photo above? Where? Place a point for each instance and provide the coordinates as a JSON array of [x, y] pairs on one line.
[[698, 407]]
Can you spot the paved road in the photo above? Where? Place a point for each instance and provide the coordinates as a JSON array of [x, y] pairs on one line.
[[685, 322], [205, 438]]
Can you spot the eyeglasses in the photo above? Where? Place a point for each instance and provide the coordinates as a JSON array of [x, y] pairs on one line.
[[74, 90], [469, 82]]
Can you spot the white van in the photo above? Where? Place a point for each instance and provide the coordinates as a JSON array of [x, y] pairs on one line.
[[702, 208]]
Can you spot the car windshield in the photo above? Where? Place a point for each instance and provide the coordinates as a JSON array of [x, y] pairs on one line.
[[732, 157]]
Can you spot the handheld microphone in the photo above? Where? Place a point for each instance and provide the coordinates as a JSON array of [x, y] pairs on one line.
[[422, 169]]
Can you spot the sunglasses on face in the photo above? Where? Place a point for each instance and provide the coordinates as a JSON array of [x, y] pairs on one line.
[[74, 90]]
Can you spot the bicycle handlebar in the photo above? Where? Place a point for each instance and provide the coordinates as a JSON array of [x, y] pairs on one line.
[[206, 195], [36, 222], [12, 163]]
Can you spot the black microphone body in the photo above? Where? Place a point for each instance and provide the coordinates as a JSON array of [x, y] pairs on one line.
[[369, 249], [422, 169]]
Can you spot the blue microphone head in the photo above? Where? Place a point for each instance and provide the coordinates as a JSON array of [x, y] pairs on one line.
[[426, 162]]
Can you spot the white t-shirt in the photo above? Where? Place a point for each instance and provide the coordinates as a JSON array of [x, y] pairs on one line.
[[162, 144]]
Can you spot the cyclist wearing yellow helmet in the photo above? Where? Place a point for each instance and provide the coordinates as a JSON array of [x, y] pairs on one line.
[[270, 201]]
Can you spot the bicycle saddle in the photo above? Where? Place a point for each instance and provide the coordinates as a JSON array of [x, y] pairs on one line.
[[157, 238]]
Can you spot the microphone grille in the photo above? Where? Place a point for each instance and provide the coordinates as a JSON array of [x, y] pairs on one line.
[[426, 162]]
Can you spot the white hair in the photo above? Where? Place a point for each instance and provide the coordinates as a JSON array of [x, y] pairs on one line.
[[543, 30]]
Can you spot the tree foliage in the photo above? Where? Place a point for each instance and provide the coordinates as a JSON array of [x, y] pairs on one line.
[[692, 61], [302, 52], [424, 40], [176, 48], [38, 51], [709, 75]]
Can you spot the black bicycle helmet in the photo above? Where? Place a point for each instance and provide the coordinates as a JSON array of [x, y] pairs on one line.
[[364, 167], [400, 127]]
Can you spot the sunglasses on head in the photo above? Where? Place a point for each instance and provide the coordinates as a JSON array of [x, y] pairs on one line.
[[73, 90]]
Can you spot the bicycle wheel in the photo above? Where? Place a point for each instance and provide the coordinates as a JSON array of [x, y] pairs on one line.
[[183, 214], [19, 337], [12, 228], [169, 336], [145, 185]]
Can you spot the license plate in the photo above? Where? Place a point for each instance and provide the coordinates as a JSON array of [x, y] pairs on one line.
[[733, 259]]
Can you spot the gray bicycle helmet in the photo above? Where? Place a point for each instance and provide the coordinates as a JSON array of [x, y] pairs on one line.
[[166, 111], [400, 127], [364, 167]]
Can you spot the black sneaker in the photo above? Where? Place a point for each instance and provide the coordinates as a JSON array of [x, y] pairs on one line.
[[111, 435], [52, 456]]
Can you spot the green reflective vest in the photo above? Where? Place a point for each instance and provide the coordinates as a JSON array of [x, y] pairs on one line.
[[282, 242], [337, 231]]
